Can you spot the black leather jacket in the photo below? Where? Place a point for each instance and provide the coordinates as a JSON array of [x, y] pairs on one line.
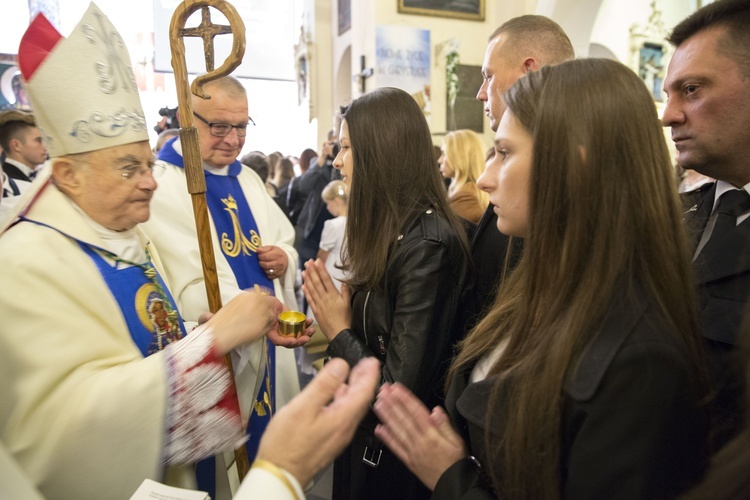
[[407, 324]]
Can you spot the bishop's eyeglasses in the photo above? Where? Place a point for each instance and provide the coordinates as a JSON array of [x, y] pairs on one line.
[[134, 171], [224, 129]]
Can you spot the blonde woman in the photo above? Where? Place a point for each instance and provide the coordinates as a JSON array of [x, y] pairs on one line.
[[462, 160]]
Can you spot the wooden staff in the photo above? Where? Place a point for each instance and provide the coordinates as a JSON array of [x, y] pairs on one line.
[[196, 180]]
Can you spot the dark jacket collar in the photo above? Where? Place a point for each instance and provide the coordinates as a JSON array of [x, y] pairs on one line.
[[13, 172], [471, 400]]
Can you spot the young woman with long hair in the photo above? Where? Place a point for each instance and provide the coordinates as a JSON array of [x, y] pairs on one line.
[[462, 161], [406, 260], [585, 379]]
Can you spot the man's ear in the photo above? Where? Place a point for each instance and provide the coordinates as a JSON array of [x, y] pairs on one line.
[[530, 64], [15, 145], [67, 175]]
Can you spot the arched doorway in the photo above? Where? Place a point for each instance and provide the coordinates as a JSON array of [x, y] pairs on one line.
[[342, 90]]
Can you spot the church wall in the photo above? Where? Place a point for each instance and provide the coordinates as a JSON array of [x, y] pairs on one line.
[[604, 23], [322, 67], [616, 17], [471, 36]]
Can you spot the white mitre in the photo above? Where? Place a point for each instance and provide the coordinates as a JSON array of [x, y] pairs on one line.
[[82, 88]]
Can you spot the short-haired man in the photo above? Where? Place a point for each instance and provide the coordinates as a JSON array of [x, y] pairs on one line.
[[520, 45], [24, 149], [253, 245], [308, 189], [708, 109], [94, 397]]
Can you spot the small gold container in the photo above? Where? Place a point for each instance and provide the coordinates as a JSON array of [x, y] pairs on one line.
[[291, 324]]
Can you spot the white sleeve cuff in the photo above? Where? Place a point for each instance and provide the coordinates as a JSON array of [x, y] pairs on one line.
[[260, 483]]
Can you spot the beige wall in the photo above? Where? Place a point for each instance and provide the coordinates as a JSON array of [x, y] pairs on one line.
[[360, 40], [321, 65], [604, 22]]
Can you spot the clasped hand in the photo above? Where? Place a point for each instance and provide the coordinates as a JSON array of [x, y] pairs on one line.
[[330, 307]]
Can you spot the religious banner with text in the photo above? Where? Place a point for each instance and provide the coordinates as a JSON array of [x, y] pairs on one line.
[[403, 61]]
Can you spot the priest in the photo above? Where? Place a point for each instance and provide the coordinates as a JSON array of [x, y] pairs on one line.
[[253, 243]]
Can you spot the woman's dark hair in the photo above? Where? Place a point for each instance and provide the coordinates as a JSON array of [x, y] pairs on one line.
[[394, 180], [604, 220], [285, 171], [273, 161], [305, 158]]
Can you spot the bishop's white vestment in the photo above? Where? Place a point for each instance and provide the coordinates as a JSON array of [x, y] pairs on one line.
[[83, 412]]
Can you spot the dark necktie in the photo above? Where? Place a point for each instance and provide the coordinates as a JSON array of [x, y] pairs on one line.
[[732, 204]]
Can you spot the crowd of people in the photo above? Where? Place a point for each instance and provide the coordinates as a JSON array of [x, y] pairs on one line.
[[559, 321]]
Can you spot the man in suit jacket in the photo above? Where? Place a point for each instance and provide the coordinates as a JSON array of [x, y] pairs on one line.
[[523, 44], [22, 143], [313, 213], [708, 84]]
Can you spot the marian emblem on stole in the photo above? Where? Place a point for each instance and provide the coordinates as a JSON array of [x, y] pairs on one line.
[[158, 317], [238, 243]]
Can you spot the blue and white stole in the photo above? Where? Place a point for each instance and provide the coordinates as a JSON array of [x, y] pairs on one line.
[[239, 237], [144, 299], [149, 309]]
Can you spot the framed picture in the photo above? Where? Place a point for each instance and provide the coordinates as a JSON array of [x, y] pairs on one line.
[[472, 10], [345, 16], [652, 67]]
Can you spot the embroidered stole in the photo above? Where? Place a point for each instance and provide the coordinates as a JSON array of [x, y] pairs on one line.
[[149, 309], [144, 300]]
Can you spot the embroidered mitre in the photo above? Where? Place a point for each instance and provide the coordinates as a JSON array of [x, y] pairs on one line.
[[82, 88]]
